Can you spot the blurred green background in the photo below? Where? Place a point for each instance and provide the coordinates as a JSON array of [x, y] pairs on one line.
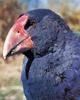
[[10, 70]]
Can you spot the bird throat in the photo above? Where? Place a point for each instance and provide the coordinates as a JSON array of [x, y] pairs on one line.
[[30, 57]]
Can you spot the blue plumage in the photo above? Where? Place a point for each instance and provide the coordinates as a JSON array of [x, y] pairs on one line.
[[52, 70]]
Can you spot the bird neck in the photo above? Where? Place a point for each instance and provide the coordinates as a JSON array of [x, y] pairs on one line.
[[30, 57]]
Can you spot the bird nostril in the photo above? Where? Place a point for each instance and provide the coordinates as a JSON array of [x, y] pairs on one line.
[[18, 31]]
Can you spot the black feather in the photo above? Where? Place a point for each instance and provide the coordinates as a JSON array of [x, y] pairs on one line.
[[53, 68]]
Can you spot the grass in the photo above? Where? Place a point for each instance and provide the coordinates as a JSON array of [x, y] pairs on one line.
[[11, 93], [10, 83]]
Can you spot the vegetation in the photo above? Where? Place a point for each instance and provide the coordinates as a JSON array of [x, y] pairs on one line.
[[10, 84], [9, 11], [72, 17]]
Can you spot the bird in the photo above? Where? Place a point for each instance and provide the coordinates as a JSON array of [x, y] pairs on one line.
[[51, 64]]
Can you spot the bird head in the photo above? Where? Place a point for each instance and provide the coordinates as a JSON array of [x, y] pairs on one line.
[[32, 30], [18, 39]]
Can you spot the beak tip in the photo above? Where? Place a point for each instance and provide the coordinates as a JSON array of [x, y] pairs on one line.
[[4, 56]]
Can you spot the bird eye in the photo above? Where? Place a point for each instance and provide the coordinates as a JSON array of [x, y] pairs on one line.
[[33, 23]]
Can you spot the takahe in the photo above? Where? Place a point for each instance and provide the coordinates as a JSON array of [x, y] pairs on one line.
[[51, 67]]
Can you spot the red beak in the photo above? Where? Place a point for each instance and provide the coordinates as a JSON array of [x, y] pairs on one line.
[[18, 40]]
